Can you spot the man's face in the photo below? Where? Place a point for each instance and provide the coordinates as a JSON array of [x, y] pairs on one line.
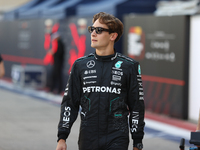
[[100, 41]]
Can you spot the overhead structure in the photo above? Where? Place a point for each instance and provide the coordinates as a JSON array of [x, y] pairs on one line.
[[14, 14], [61, 9]]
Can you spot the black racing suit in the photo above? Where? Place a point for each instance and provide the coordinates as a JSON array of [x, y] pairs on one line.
[[109, 91]]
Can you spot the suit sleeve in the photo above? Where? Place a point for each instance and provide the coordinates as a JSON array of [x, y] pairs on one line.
[[136, 104], [70, 104], [1, 59]]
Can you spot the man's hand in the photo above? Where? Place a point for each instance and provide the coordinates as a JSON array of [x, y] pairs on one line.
[[134, 148], [61, 145]]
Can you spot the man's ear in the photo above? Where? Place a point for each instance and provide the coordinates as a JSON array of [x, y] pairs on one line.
[[113, 36]]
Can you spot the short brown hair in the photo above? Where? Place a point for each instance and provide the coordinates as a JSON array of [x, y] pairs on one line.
[[113, 23]]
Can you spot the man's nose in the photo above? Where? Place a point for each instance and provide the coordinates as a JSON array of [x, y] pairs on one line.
[[93, 33]]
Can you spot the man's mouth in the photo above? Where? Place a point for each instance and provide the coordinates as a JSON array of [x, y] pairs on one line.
[[94, 40]]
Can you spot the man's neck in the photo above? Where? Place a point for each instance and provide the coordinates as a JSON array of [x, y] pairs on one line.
[[104, 52]]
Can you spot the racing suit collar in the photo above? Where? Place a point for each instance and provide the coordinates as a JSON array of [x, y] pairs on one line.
[[106, 58]]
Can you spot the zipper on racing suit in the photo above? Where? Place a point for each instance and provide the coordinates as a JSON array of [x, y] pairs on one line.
[[100, 84]]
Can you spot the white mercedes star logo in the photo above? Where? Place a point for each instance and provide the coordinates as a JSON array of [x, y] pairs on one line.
[[90, 64]]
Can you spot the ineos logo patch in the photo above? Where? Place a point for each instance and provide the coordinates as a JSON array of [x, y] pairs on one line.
[[91, 64]]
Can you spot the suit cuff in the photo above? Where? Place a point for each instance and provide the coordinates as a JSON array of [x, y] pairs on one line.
[[136, 141]]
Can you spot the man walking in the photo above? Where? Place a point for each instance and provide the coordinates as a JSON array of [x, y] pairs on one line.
[[108, 87]]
